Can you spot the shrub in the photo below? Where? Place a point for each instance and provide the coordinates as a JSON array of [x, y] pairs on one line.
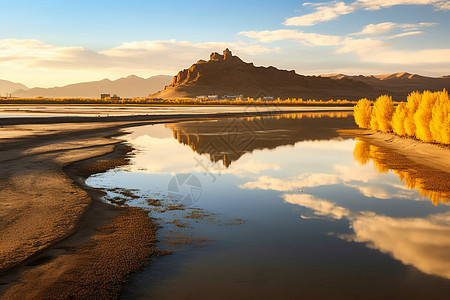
[[412, 104], [363, 111], [440, 119], [382, 112], [423, 115], [398, 119]]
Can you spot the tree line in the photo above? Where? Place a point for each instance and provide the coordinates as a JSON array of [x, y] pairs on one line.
[[425, 116]]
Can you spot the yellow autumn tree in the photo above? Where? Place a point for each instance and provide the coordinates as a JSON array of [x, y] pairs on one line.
[[382, 112], [398, 119], [440, 119], [423, 115], [362, 113], [411, 107]]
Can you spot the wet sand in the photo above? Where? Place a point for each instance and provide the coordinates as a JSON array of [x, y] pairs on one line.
[[95, 269]]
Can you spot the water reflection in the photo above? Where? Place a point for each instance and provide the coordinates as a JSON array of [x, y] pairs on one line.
[[431, 183], [315, 208], [227, 140], [422, 242]]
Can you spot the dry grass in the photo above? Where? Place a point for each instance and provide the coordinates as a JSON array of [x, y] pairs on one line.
[[179, 101]]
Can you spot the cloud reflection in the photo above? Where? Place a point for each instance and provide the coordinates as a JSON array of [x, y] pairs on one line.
[[421, 242]]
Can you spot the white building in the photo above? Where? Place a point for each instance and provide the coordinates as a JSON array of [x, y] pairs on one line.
[[213, 97]]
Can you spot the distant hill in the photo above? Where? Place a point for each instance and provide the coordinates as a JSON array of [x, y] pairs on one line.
[[131, 86], [227, 74], [399, 84], [7, 87]]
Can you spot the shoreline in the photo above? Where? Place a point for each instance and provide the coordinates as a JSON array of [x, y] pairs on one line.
[[155, 117], [90, 231]]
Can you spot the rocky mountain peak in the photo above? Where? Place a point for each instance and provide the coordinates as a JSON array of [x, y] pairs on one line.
[[227, 55]]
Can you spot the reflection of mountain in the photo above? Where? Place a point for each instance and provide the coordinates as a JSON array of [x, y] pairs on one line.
[[229, 139], [431, 183]]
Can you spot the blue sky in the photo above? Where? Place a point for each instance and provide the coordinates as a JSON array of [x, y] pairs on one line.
[[48, 43]]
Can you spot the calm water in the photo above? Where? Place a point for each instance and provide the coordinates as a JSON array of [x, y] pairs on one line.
[[281, 207], [34, 111]]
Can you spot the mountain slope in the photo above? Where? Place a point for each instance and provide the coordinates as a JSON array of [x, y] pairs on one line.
[[9, 87], [399, 84], [131, 86], [227, 74]]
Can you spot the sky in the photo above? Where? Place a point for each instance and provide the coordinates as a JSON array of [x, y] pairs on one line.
[[52, 42]]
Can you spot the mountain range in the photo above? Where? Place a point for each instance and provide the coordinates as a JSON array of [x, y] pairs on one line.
[[7, 87], [131, 86], [399, 83], [226, 74]]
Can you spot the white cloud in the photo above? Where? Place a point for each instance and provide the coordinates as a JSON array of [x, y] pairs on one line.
[[28, 58], [324, 12], [331, 10], [408, 33], [377, 51], [386, 27], [313, 39], [145, 47], [360, 46], [443, 5], [376, 29], [369, 49], [140, 55], [379, 4], [28, 50]]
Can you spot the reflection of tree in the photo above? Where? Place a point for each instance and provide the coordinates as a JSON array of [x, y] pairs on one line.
[[227, 140], [361, 153], [433, 184]]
